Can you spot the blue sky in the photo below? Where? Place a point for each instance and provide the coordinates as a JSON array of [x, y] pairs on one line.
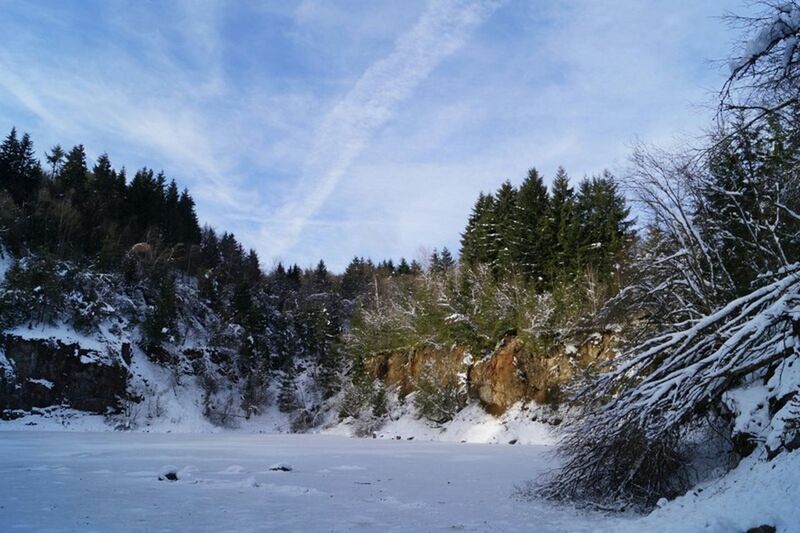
[[328, 129]]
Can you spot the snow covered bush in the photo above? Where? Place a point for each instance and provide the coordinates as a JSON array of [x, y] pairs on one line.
[[40, 290], [31, 291], [632, 446]]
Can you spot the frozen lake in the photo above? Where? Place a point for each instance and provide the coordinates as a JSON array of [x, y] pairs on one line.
[[63, 481]]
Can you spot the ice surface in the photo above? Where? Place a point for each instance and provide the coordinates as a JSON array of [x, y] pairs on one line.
[[110, 482]]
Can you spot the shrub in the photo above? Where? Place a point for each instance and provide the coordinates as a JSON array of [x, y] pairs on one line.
[[440, 398]]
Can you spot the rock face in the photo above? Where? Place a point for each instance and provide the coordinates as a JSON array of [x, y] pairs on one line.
[[405, 370], [510, 374], [44, 372]]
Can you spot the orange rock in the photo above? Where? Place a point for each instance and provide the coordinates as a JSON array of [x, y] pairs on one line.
[[512, 373]]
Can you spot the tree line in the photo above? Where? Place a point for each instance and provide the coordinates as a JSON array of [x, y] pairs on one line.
[[549, 235], [77, 212]]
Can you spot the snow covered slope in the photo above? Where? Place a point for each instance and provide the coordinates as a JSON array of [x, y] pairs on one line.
[[519, 425]]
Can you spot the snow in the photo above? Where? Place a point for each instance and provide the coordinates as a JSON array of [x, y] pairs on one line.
[[56, 418], [749, 404], [756, 493], [472, 424], [43, 382], [6, 262], [61, 333], [5, 365], [783, 27], [110, 482]]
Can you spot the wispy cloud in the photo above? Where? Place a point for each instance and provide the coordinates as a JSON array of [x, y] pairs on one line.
[[328, 128], [441, 30]]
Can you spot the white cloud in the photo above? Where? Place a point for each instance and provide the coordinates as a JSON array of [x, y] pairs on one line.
[[370, 104], [292, 135]]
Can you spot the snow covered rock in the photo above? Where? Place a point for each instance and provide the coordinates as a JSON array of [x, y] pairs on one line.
[[44, 372]]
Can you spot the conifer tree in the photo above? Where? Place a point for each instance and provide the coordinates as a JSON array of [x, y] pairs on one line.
[[562, 226], [446, 261], [294, 277], [748, 174], [189, 227], [287, 397], [252, 268], [403, 268], [19, 170], [602, 215], [170, 220], [74, 172], [435, 262], [107, 193], [355, 279], [159, 324], [502, 253], [475, 239], [532, 240], [209, 248]]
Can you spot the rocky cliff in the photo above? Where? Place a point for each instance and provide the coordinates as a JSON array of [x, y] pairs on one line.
[[513, 372], [45, 372]]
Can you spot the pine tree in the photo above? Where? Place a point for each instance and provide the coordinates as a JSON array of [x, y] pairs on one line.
[[355, 279], [9, 153], [532, 240], [435, 262], [189, 227], [252, 268], [328, 332], [749, 174], [446, 260], [209, 248], [403, 268], [19, 170], [562, 227], [604, 227], [74, 173], [320, 278], [294, 278], [107, 197], [159, 325], [475, 241], [144, 200], [504, 239], [287, 397], [170, 221]]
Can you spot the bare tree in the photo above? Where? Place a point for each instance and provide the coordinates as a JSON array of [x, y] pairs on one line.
[[720, 286], [765, 73]]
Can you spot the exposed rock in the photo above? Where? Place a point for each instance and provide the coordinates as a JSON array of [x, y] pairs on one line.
[[744, 444], [512, 373], [48, 372], [404, 370], [762, 529], [498, 381]]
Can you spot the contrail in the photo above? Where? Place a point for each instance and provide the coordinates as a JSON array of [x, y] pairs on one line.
[[344, 133]]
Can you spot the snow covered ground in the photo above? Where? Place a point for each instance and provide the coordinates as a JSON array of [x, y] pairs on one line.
[[110, 482], [472, 424], [82, 481]]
